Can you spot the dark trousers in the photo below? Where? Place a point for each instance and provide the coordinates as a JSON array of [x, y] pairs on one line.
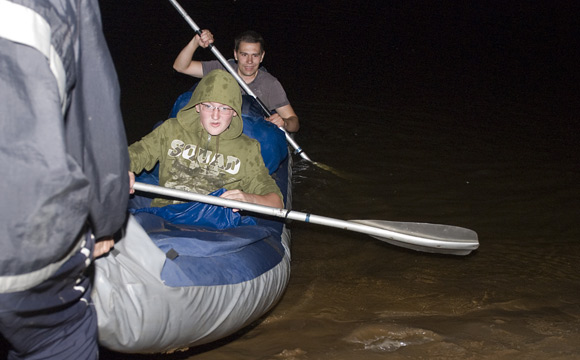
[[56, 319]]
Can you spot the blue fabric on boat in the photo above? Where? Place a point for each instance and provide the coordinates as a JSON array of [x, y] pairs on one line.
[[272, 140], [181, 101], [251, 107], [200, 214], [190, 213], [205, 242], [205, 257]]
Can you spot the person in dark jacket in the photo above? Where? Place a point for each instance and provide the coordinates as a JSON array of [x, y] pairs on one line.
[[64, 163]]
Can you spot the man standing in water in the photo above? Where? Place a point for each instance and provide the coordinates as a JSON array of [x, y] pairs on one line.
[[64, 160], [249, 54]]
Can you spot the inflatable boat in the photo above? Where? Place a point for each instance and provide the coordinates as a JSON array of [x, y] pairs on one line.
[[171, 285]]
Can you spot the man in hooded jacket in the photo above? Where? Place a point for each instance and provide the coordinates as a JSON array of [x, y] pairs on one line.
[[203, 149]]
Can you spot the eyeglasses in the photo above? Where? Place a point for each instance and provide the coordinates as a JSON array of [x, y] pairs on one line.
[[221, 109]]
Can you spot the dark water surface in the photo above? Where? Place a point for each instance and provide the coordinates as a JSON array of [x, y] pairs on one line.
[[462, 113]]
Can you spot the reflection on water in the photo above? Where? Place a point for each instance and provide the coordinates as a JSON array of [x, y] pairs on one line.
[[418, 124]]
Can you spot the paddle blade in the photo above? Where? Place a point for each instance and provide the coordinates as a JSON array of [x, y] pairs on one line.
[[434, 238]]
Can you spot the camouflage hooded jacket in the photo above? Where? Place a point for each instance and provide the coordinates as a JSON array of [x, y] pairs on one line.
[[193, 160]]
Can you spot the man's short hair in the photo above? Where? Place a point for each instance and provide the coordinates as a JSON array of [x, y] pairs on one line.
[[251, 37]]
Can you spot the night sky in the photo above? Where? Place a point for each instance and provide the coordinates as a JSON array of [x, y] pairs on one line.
[[470, 55]]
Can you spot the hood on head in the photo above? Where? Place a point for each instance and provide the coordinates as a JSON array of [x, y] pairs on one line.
[[217, 86]]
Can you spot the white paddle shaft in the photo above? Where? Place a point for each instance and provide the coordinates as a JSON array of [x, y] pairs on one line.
[[415, 238]]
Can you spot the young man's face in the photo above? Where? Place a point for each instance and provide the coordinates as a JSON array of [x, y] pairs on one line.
[[215, 117], [249, 57]]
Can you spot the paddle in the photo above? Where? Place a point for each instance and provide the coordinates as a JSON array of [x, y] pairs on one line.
[[442, 239], [226, 64]]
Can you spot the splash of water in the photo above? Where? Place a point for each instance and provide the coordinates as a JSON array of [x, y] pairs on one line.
[[390, 337]]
